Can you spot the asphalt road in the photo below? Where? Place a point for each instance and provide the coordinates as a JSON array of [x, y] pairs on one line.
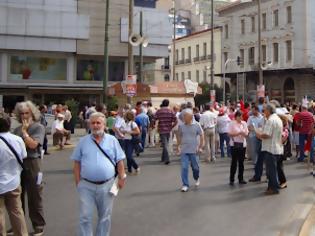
[[152, 205]]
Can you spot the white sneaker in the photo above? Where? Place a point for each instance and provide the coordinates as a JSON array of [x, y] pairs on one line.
[[138, 170], [184, 189], [197, 184]]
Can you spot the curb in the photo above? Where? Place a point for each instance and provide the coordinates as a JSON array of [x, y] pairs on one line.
[[308, 228]]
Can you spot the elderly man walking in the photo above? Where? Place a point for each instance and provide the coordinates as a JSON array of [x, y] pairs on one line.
[[33, 134], [208, 121], [97, 158], [12, 153], [272, 146]]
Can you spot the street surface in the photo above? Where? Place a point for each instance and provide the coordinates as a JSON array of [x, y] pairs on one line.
[[152, 205]]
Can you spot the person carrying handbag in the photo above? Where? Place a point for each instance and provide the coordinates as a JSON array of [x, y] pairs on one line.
[[238, 131]]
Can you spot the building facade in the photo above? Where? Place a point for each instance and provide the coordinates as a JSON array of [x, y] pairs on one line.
[[288, 49], [193, 57], [51, 51]]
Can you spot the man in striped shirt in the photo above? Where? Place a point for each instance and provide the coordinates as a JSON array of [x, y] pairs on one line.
[[305, 122], [166, 122]]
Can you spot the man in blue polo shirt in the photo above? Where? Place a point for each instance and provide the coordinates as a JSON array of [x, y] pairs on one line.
[[94, 175]]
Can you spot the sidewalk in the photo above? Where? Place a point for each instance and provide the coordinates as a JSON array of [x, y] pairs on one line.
[[75, 138]]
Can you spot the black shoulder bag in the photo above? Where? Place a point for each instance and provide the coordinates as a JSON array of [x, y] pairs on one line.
[[108, 157], [13, 151]]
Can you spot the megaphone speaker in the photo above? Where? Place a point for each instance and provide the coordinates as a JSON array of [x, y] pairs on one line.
[[135, 39]]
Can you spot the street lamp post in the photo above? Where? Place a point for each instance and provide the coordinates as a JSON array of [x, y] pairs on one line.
[[106, 57], [260, 70], [174, 39], [130, 47], [212, 46]]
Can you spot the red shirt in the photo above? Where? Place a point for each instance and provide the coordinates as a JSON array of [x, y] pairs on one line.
[[306, 121], [167, 120]]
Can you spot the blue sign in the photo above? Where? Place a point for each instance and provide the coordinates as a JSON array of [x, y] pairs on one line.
[[145, 3]]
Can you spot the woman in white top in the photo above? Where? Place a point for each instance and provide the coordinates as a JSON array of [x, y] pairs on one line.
[[130, 129], [238, 131]]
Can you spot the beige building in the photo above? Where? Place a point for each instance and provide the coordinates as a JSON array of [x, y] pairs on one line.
[[193, 57]]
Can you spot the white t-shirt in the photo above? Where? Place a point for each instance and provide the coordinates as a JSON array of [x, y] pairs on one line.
[[57, 125], [128, 128]]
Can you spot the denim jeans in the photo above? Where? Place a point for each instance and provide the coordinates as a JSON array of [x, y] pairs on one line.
[[302, 140], [144, 132], [165, 138], [225, 138], [98, 196], [193, 159], [312, 150], [271, 169], [129, 148]]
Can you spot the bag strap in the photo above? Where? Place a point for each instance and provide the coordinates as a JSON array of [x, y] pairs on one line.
[[13, 151], [107, 156]]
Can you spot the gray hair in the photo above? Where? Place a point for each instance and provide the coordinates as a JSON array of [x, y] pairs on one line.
[[271, 108], [98, 115], [27, 105]]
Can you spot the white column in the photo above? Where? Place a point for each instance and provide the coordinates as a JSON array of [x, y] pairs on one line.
[[71, 69], [4, 68]]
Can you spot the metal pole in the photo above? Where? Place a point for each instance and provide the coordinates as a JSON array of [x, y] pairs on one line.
[[130, 47], [174, 41], [141, 48], [106, 57], [212, 45], [260, 71], [224, 98]]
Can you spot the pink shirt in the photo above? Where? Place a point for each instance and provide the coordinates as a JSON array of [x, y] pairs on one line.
[[235, 128]]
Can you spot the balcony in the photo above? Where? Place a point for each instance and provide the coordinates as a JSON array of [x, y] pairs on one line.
[[188, 61], [203, 58], [196, 59], [181, 62], [176, 62], [166, 67]]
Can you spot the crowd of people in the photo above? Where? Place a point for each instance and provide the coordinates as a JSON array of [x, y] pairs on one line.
[[264, 132]]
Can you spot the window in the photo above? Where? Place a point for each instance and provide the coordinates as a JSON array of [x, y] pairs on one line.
[[189, 75], [167, 62], [204, 76], [243, 26], [189, 53], [242, 57], [177, 56], [276, 18], [205, 49], [253, 24], [197, 50], [183, 76], [264, 21], [197, 76], [289, 14], [264, 53], [183, 53], [289, 50], [176, 77], [251, 56], [226, 30], [275, 53], [225, 56], [166, 78]]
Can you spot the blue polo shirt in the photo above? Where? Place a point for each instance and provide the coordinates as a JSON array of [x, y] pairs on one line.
[[95, 166]]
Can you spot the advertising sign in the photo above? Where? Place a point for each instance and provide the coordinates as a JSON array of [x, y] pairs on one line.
[[212, 95], [261, 91], [131, 85]]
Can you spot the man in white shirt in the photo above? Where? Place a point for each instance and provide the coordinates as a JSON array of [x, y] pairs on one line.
[[10, 180], [59, 132], [208, 121]]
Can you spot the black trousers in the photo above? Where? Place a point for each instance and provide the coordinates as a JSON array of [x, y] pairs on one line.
[[238, 157], [281, 176]]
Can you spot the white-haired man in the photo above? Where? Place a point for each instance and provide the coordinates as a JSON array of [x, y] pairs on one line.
[[33, 134], [96, 158], [190, 143]]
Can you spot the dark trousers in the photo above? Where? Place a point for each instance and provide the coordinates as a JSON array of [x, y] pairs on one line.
[[32, 166], [165, 140], [271, 170], [225, 138], [238, 157], [129, 148], [45, 144], [122, 143], [302, 140], [281, 176], [259, 166]]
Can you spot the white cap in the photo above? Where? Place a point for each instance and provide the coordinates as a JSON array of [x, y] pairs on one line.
[[60, 115], [188, 111]]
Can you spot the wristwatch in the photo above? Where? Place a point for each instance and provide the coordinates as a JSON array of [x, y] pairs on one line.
[[123, 177]]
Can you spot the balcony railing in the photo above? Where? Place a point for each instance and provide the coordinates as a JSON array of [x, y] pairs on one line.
[[181, 62], [188, 61], [165, 67], [203, 58], [196, 59]]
